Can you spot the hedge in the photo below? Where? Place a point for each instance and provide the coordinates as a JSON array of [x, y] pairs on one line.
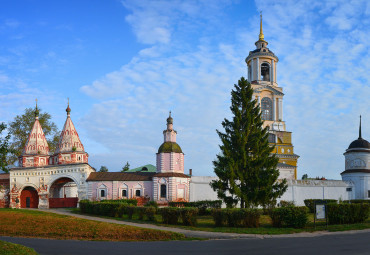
[[189, 216], [310, 203], [284, 203], [296, 217], [348, 213], [126, 201], [236, 217], [356, 201], [202, 205], [170, 215]]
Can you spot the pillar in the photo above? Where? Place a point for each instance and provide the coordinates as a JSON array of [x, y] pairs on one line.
[[272, 71], [258, 70]]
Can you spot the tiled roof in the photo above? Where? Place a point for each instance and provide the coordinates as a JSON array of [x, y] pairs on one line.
[[118, 176], [171, 175], [285, 165]]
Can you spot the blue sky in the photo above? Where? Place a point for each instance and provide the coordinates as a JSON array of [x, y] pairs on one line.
[[125, 64]]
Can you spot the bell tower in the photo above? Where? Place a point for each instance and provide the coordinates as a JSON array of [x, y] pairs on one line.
[[261, 64]]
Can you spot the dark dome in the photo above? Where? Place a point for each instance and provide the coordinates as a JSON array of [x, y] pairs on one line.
[[169, 147], [359, 143]]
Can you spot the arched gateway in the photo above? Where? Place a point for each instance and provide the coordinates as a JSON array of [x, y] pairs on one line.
[[44, 180]]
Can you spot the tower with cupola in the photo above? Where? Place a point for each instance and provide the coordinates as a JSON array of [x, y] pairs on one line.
[[170, 183], [262, 75]]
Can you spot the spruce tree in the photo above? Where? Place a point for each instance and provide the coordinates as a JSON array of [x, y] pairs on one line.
[[246, 168]]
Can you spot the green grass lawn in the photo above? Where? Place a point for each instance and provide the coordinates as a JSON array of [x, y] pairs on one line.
[[206, 223], [15, 249], [33, 223]]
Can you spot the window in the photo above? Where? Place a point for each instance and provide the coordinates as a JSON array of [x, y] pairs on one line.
[[163, 191], [102, 193], [265, 72], [271, 138], [368, 193], [124, 193], [348, 189], [266, 108], [138, 193]]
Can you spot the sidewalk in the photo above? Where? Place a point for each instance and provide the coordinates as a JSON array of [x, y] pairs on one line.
[[202, 234]]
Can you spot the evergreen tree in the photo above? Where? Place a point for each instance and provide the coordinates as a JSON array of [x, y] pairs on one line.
[[126, 167], [103, 169], [246, 168], [4, 148], [20, 129]]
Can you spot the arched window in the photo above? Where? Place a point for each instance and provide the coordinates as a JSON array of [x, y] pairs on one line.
[[265, 72], [266, 108], [163, 191], [271, 138]]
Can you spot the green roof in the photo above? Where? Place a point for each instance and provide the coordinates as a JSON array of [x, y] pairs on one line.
[[169, 147], [147, 168]]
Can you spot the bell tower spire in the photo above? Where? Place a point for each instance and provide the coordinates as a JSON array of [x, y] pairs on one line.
[[261, 36], [359, 131]]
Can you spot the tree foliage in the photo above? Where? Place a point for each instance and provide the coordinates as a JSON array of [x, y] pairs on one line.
[[103, 169], [246, 168], [4, 148], [126, 167], [21, 127]]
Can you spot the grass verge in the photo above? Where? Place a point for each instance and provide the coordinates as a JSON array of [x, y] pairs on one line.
[[33, 223], [7, 248], [206, 223]]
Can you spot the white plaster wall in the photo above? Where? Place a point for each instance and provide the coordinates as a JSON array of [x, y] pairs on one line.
[[200, 188], [299, 190]]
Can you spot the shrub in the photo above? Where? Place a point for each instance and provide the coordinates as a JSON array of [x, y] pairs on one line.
[[284, 203], [295, 217], [251, 218], [189, 216], [170, 215], [140, 211], [130, 210], [125, 201], [202, 205], [310, 203], [219, 217], [150, 212], [348, 213], [356, 201], [152, 203]]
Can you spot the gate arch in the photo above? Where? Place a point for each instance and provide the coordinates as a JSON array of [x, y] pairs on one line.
[[29, 197], [63, 192]]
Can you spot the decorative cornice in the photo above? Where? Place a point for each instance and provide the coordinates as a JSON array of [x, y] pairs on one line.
[[350, 171]]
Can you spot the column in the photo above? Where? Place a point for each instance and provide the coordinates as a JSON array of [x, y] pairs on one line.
[[272, 71], [258, 70], [281, 109], [252, 67], [273, 108]]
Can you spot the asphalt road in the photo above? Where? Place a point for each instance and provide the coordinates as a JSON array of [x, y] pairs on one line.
[[358, 243]]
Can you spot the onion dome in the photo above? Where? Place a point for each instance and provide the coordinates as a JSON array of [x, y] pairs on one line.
[[360, 143], [169, 147]]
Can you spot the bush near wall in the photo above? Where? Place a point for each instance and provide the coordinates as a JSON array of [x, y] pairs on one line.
[[356, 201], [284, 203], [296, 217], [189, 216], [202, 205], [310, 203], [170, 215], [236, 217], [348, 213], [125, 201]]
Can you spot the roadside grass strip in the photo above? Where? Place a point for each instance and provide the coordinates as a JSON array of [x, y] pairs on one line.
[[7, 248], [31, 223]]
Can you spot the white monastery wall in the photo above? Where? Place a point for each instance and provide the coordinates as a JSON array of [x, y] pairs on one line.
[[200, 188]]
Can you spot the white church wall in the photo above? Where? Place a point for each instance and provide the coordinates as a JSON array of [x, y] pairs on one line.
[[361, 181]]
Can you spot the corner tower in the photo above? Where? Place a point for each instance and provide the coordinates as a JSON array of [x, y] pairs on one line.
[[261, 64]]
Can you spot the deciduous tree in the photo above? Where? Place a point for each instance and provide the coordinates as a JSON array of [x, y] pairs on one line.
[[126, 167], [4, 148], [103, 169]]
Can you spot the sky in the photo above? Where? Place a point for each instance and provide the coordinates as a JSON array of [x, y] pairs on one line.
[[125, 64]]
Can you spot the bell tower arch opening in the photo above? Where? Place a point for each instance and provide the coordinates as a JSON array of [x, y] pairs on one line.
[[266, 108], [265, 72]]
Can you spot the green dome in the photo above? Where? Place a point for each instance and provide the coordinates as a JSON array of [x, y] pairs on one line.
[[169, 147]]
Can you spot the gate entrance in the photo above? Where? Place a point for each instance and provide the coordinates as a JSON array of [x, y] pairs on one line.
[[63, 193], [29, 198]]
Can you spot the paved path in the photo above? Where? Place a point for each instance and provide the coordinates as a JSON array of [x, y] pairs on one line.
[[204, 234]]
